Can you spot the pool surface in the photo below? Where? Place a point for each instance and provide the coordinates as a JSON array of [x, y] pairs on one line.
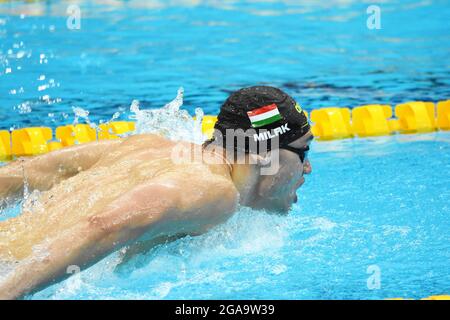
[[370, 204], [320, 52]]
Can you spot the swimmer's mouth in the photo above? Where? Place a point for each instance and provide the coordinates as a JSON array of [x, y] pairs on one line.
[[300, 183]]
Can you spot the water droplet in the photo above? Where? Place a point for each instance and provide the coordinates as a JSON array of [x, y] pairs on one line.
[[20, 54], [24, 107]]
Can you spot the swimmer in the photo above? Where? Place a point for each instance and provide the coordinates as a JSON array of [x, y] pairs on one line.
[[98, 197]]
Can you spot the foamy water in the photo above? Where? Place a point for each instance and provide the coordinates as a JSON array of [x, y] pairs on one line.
[[169, 121]]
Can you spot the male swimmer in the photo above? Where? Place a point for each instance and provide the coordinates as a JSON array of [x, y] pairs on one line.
[[95, 198]]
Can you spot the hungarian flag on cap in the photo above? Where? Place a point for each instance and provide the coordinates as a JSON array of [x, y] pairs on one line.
[[263, 116]]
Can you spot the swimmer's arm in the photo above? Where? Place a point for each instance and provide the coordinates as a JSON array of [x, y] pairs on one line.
[[44, 171], [157, 210]]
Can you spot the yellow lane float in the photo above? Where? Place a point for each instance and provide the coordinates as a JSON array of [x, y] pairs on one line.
[[372, 120], [112, 130], [208, 125], [327, 123], [30, 141], [416, 116], [54, 145], [331, 123], [5, 145], [394, 125], [440, 297], [75, 134], [443, 115]]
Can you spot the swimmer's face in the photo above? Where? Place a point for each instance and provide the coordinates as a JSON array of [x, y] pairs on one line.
[[278, 192]]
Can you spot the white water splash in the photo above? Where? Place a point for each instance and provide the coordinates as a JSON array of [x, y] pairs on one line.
[[83, 114], [80, 113], [169, 121], [31, 201]]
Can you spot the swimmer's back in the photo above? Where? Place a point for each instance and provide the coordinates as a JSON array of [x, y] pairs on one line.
[[138, 159]]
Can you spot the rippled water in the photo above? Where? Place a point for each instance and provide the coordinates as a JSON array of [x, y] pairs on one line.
[[320, 52], [370, 202]]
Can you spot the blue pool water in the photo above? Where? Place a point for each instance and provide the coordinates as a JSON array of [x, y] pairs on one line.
[[379, 202], [320, 51], [370, 202]]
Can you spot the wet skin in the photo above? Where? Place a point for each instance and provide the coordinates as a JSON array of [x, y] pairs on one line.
[[99, 197]]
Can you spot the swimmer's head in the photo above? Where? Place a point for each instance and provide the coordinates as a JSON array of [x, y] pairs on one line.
[[267, 112], [264, 126]]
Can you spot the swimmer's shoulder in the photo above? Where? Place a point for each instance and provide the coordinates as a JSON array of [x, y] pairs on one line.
[[146, 142]]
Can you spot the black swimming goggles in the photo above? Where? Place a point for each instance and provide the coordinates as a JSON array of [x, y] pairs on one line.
[[301, 152]]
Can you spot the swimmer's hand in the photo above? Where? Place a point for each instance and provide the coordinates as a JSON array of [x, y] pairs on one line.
[[165, 206]]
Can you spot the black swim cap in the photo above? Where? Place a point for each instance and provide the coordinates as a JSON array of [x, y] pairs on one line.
[[270, 112]]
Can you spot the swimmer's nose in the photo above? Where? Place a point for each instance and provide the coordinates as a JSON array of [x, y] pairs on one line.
[[307, 168]]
